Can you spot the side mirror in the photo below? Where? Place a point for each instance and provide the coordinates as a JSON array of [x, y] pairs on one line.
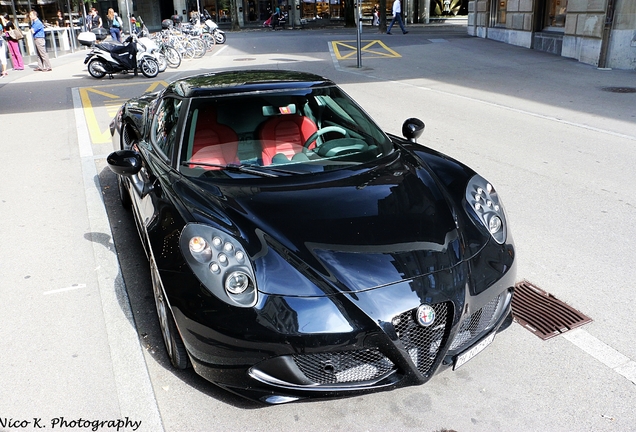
[[412, 128], [124, 162]]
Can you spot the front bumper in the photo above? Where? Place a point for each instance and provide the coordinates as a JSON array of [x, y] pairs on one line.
[[285, 352]]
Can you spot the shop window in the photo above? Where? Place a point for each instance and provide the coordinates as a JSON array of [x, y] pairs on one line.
[[336, 9], [501, 12], [555, 14], [322, 10], [309, 9], [210, 6], [225, 12]]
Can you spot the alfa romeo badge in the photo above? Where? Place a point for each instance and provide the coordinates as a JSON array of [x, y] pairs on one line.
[[425, 315]]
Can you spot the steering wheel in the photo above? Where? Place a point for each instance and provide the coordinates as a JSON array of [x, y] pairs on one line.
[[321, 132]]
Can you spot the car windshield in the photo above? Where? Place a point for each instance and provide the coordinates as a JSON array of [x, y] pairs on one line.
[[278, 133]]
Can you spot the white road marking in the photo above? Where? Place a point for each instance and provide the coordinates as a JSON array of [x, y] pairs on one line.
[[604, 353]]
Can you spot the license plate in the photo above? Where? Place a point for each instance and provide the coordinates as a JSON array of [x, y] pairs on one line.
[[463, 358]]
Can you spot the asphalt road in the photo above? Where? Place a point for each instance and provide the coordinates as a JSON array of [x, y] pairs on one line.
[[81, 341]]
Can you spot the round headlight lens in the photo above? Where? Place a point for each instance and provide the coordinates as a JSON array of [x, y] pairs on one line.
[[197, 244], [494, 224], [237, 282]]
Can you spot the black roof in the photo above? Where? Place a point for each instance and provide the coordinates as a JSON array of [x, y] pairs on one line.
[[240, 81]]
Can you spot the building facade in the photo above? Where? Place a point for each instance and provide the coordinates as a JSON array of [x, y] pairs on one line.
[[597, 32]]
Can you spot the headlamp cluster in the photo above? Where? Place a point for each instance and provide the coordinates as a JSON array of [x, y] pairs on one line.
[[485, 203], [220, 263]]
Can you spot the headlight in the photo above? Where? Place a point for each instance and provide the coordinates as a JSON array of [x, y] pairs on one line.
[[220, 263], [486, 205]]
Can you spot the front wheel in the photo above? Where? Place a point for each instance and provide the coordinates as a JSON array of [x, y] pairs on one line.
[[200, 47], [220, 37], [96, 68], [210, 40], [124, 196], [173, 57], [162, 61], [171, 337], [149, 67]]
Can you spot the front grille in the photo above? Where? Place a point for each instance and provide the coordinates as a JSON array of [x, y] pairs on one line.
[[423, 343], [343, 367], [475, 324]]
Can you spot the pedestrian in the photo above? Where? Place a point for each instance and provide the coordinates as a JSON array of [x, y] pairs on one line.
[[3, 57], [59, 19], [375, 12], [14, 45], [397, 15], [96, 20], [37, 28], [114, 25]]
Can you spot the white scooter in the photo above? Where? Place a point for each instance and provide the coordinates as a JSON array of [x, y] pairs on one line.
[[108, 58], [213, 28]]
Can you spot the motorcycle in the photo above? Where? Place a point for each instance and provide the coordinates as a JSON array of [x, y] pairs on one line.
[[113, 57], [213, 28]]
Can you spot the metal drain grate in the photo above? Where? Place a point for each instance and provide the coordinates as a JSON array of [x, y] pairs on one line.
[[542, 313]]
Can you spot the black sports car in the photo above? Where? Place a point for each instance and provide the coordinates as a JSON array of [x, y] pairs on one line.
[[296, 250]]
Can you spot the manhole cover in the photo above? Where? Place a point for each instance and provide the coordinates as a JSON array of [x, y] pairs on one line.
[[542, 313], [245, 59], [620, 89]]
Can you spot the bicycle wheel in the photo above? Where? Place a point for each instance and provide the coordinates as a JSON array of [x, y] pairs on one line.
[[162, 61], [210, 41], [173, 57], [188, 50], [200, 48]]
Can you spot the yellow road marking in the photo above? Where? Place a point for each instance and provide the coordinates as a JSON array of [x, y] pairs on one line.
[[370, 49], [111, 104], [97, 136]]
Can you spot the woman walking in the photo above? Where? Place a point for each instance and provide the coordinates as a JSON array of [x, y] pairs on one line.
[[13, 45]]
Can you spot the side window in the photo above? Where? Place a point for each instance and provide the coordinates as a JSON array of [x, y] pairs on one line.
[[164, 125]]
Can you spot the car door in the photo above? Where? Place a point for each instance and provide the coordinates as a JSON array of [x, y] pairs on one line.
[[156, 151]]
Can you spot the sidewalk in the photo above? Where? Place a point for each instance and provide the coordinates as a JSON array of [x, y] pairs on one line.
[[72, 355]]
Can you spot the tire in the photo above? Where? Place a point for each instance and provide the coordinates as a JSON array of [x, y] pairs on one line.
[[149, 67], [171, 337], [93, 66], [188, 50], [200, 47], [124, 195], [220, 37], [162, 62], [173, 57], [209, 40]]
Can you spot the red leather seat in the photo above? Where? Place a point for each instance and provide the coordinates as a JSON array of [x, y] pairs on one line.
[[213, 143], [284, 134]]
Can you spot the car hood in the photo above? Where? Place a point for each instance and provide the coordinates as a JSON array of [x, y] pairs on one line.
[[349, 230]]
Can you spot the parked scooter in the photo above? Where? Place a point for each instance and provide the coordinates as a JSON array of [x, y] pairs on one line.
[[213, 28], [113, 57]]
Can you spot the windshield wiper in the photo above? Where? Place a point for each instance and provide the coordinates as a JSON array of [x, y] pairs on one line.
[[260, 170], [233, 168]]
